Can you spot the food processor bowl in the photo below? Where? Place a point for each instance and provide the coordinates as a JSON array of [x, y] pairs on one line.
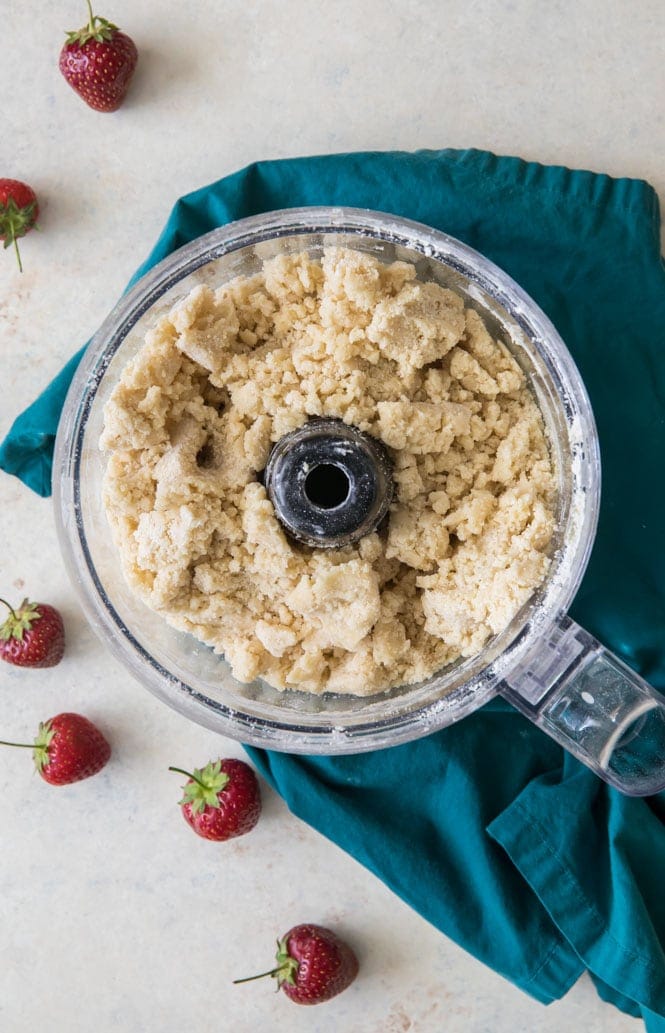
[[544, 663]]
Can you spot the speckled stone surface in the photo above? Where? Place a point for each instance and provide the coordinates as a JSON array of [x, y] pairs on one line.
[[113, 915]]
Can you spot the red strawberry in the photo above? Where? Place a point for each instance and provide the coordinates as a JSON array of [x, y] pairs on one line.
[[32, 636], [313, 965], [18, 213], [68, 748], [222, 800], [98, 61]]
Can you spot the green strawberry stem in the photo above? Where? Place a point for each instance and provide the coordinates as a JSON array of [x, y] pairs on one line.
[[91, 18], [181, 771], [286, 969], [261, 975], [4, 601], [40, 747], [18, 255]]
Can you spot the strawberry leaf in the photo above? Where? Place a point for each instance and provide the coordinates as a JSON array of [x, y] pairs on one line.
[[287, 966], [19, 620], [98, 29], [42, 742], [205, 786]]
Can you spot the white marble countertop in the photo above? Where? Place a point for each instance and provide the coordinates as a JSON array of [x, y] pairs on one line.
[[113, 915]]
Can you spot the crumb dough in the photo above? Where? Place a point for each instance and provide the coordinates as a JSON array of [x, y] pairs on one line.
[[190, 425]]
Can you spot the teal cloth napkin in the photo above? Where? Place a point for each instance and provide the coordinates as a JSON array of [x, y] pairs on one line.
[[488, 828]]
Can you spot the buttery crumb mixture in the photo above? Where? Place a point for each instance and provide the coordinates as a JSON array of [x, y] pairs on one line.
[[189, 428]]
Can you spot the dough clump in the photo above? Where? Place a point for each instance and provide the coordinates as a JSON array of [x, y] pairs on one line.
[[227, 372]]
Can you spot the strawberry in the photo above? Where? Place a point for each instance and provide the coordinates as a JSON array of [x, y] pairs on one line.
[[18, 213], [32, 636], [313, 965], [68, 748], [98, 61], [221, 800]]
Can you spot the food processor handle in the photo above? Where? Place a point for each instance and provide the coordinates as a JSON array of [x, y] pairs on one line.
[[595, 706]]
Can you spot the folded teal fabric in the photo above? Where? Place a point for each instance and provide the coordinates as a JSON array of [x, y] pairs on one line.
[[488, 829]]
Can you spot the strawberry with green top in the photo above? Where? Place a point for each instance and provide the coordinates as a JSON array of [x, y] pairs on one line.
[[313, 965], [98, 62], [221, 800], [33, 635], [18, 213], [68, 748]]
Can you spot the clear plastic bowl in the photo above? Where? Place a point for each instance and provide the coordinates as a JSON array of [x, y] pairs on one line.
[[188, 675]]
